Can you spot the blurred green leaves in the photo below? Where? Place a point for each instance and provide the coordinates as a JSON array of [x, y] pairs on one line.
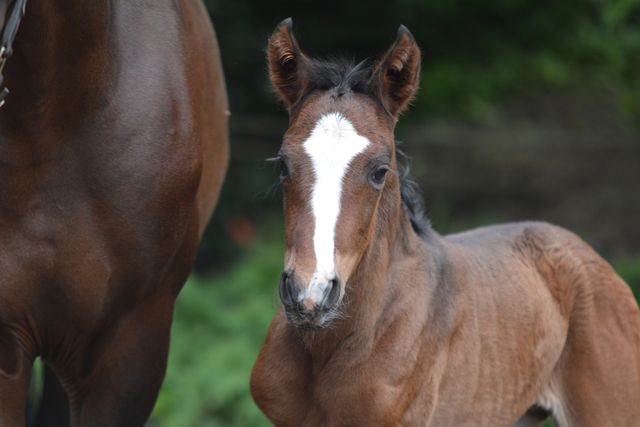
[[218, 329], [628, 267]]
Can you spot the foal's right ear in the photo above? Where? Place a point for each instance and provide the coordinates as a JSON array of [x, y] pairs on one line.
[[287, 64]]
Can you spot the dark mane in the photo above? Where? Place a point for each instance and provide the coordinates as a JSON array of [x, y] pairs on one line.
[[341, 75], [412, 199]]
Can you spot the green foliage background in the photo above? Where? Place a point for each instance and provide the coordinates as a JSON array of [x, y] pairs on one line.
[[220, 323], [477, 54]]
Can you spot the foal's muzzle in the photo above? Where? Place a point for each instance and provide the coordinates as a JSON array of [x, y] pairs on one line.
[[303, 311]]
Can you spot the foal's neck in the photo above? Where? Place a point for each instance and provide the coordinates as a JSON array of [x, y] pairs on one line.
[[369, 293]]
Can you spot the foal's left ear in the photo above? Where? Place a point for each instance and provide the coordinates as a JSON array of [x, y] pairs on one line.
[[395, 78]]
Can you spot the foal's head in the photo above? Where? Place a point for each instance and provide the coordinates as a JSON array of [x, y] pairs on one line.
[[338, 165]]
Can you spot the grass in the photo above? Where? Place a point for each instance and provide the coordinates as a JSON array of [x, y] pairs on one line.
[[220, 323]]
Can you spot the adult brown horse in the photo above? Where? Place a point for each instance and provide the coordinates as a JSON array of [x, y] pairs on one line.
[[113, 149], [384, 322]]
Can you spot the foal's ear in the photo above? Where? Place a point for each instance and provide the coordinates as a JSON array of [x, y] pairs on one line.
[[287, 64], [395, 77]]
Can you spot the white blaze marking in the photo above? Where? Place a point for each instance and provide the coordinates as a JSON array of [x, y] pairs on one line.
[[332, 145]]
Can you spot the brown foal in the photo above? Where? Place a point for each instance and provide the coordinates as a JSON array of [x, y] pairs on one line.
[[113, 150], [384, 322]]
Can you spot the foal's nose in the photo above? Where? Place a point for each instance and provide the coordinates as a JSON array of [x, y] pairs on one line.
[[288, 290], [319, 296]]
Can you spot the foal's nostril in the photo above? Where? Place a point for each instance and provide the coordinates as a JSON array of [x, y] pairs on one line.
[[288, 290], [334, 294]]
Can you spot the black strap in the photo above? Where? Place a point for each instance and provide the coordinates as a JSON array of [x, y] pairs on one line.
[[9, 33]]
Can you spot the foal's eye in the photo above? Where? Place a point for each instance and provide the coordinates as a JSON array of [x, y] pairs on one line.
[[284, 170], [378, 176]]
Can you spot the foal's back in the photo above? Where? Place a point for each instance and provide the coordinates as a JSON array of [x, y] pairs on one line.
[[541, 308]]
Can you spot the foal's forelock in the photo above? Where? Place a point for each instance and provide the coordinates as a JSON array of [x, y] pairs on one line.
[[332, 146]]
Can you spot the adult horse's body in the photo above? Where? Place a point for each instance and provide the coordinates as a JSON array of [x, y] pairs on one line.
[[113, 149], [385, 322]]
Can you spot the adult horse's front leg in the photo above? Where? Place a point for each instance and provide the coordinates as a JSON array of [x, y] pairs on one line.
[[122, 388], [15, 374]]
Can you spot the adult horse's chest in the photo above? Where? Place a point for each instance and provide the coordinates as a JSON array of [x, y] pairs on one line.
[[97, 210]]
